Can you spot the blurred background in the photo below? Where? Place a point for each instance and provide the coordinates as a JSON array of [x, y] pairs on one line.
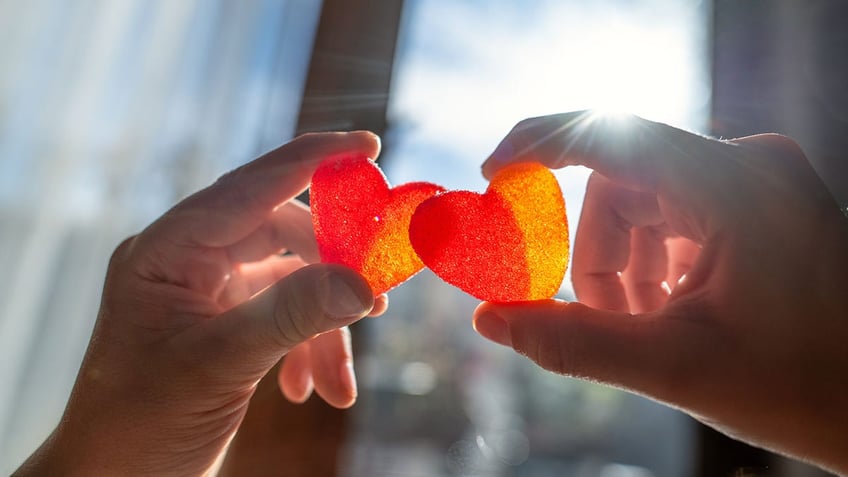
[[113, 110]]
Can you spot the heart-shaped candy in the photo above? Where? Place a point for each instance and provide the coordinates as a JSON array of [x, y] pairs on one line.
[[508, 244], [363, 224]]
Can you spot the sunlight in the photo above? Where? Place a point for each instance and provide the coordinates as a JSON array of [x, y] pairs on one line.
[[620, 70], [467, 87]]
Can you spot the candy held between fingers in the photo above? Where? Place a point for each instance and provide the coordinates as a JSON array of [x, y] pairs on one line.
[[508, 244], [362, 223]]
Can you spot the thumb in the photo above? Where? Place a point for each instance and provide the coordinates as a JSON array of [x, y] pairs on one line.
[[648, 354], [636, 153], [317, 298]]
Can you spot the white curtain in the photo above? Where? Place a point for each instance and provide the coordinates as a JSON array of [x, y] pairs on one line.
[[110, 111]]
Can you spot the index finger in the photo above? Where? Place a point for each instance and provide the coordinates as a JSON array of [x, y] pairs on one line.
[[634, 152], [241, 200]]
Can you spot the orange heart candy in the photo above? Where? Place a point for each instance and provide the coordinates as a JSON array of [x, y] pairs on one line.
[[362, 223], [508, 244]]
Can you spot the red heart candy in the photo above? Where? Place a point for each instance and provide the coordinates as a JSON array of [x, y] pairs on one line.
[[363, 224], [508, 244]]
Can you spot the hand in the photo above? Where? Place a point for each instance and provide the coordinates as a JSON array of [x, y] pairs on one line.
[[752, 340], [197, 309]]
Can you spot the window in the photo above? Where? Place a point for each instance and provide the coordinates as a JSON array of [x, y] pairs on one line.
[[437, 399]]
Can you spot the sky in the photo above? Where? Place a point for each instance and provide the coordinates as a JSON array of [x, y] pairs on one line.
[[466, 72]]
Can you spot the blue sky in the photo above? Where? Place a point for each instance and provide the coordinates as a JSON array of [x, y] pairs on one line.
[[466, 72]]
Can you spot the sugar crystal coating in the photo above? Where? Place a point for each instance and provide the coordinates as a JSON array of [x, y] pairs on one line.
[[508, 244], [362, 223]]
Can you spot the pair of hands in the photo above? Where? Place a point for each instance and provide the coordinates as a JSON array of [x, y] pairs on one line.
[[199, 306]]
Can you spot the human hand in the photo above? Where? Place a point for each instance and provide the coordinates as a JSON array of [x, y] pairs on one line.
[[197, 308], [752, 340]]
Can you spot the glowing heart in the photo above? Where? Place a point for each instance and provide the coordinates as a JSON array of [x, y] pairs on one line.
[[361, 223], [508, 244]]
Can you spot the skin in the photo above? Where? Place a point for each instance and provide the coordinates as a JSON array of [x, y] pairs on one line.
[[197, 308], [752, 340]]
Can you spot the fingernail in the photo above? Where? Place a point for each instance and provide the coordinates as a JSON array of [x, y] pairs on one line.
[[346, 299], [377, 139], [504, 152], [493, 327]]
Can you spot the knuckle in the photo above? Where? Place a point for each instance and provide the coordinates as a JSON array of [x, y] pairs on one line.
[[240, 193], [123, 249], [775, 144], [302, 141], [293, 320], [554, 351], [775, 166], [522, 133], [786, 145], [770, 150], [523, 125], [562, 351], [230, 176], [234, 187], [122, 252]]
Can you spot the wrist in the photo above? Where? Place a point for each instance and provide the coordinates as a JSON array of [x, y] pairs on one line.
[[59, 455], [86, 442]]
